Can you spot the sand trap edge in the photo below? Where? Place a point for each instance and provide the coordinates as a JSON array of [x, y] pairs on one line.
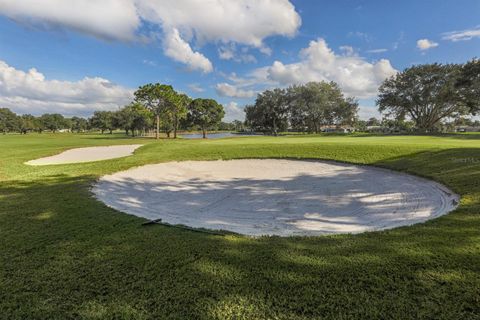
[[452, 197], [86, 155]]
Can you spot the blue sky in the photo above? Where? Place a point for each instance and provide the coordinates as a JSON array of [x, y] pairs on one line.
[[73, 59]]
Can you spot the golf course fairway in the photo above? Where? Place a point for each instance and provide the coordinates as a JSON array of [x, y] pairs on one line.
[[64, 254]]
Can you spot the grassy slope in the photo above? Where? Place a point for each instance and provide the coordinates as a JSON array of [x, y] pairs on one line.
[[65, 255]]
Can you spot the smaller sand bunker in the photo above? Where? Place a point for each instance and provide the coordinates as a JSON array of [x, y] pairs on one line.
[[275, 197], [88, 154]]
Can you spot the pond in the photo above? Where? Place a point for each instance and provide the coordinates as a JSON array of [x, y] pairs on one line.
[[217, 135]]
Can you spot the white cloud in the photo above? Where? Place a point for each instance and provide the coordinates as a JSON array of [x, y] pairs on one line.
[[347, 50], [149, 63], [31, 92], [463, 35], [230, 52], [367, 112], [179, 50], [318, 62], [226, 53], [233, 112], [361, 35], [195, 87], [228, 90], [246, 22], [381, 50], [242, 21], [425, 44], [356, 76], [247, 58], [107, 19]]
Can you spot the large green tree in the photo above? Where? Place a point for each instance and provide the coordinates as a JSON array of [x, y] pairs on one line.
[[78, 124], [178, 110], [53, 121], [158, 98], [255, 118], [373, 122], [274, 104], [205, 113], [426, 94], [270, 111], [317, 104], [133, 118], [303, 107], [469, 85], [27, 123], [103, 121], [8, 120], [123, 119]]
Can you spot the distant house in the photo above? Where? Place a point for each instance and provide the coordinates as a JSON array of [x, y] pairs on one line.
[[378, 129], [467, 129], [338, 129]]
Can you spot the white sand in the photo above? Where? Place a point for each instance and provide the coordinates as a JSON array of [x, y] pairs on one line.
[[89, 154], [275, 197]]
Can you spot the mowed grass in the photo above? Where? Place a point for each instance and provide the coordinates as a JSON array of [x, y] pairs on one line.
[[65, 255]]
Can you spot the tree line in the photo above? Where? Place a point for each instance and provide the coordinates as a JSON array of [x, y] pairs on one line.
[[304, 108], [155, 106], [170, 109], [421, 98]]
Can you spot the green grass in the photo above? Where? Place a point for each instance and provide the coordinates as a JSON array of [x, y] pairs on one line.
[[65, 255]]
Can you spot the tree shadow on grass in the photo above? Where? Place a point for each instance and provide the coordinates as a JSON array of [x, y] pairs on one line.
[[459, 136], [116, 138], [344, 198], [66, 255]]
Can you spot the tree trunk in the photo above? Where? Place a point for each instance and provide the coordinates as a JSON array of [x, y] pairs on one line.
[[157, 133], [204, 131], [175, 126]]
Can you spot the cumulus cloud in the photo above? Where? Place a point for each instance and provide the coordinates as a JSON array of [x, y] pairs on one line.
[[107, 19], [425, 44], [233, 112], [463, 35], [318, 62], [228, 90], [226, 53], [30, 92], [230, 52], [195, 87], [242, 21], [247, 22], [179, 50], [347, 50]]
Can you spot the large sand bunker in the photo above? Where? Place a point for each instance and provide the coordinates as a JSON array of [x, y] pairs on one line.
[[79, 155], [275, 197]]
